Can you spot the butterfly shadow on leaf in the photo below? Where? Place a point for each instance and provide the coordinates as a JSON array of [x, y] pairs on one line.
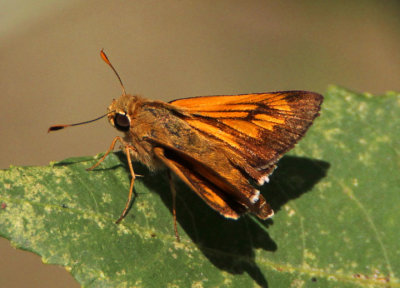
[[230, 244]]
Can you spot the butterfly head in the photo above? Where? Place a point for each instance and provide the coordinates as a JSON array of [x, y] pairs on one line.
[[121, 111]]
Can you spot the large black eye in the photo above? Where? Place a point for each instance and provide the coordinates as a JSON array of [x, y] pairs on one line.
[[121, 122]]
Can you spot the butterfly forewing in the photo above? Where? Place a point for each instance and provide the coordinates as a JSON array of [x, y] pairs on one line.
[[259, 127]]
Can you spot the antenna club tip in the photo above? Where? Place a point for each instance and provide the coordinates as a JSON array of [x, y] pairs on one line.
[[104, 57], [56, 127]]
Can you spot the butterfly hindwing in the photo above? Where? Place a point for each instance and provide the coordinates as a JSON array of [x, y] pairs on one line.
[[229, 196]]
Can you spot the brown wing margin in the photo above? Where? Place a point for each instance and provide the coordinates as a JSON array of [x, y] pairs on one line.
[[218, 193]]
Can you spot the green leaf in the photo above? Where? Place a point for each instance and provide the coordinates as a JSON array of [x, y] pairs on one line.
[[336, 198]]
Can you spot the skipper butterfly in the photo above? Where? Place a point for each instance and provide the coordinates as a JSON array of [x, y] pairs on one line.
[[215, 144]]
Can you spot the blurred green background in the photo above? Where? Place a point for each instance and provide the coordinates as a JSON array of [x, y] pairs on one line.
[[51, 72]]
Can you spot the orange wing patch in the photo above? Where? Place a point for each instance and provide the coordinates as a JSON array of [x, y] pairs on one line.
[[196, 102], [219, 108], [214, 131], [276, 101], [223, 114], [212, 196], [243, 127], [248, 114], [280, 105], [269, 118], [244, 102], [264, 124]]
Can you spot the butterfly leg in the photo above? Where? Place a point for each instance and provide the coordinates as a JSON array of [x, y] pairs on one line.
[[173, 192], [110, 149], [128, 156], [131, 191]]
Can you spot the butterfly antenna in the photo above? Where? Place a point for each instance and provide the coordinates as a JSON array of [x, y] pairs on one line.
[[62, 126], [105, 59]]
